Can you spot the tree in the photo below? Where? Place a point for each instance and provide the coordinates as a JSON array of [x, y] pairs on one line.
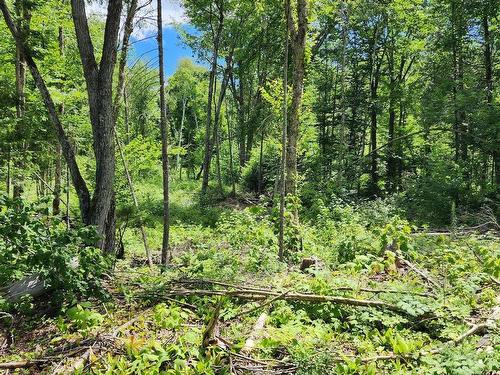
[[98, 210], [165, 251], [298, 43]]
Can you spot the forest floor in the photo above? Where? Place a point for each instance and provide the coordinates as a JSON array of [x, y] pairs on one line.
[[364, 293]]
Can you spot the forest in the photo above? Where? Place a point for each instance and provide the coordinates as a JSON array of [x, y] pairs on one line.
[[314, 188]]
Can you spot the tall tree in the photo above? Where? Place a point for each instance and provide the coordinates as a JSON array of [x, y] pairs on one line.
[[284, 129], [23, 15], [98, 210], [216, 36], [165, 250], [298, 43], [375, 64], [99, 82]]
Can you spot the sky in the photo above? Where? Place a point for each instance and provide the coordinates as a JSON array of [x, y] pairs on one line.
[[173, 49], [143, 40]]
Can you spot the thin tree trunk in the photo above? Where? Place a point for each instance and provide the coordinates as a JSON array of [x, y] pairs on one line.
[[179, 167], [208, 130], [68, 186], [298, 36], [399, 148], [128, 29], [343, 149], [391, 160], [8, 172], [230, 140], [56, 203], [375, 65], [126, 117], [261, 160], [488, 65], [67, 149], [165, 250], [23, 16], [284, 129], [217, 121]]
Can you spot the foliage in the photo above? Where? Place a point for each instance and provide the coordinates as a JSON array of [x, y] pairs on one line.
[[33, 243]]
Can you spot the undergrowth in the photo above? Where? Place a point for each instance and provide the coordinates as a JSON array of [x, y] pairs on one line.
[[357, 253]]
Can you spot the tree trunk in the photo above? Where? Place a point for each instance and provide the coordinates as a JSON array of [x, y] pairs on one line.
[[23, 25], [230, 140], [217, 119], [128, 28], [342, 137], [165, 250], [120, 92], [261, 160], [391, 160], [179, 167], [126, 117], [373, 138], [99, 80], [56, 203], [375, 64], [7, 182], [488, 65], [298, 37], [284, 130], [208, 130]]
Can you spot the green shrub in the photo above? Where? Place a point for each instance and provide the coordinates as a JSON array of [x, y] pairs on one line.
[[34, 243]]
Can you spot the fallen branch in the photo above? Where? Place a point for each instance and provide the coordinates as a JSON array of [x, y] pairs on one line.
[[420, 272], [262, 305], [379, 291], [258, 295], [340, 288], [22, 364]]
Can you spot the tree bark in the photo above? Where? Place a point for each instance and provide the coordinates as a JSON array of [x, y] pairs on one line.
[[165, 250], [99, 80], [375, 64]]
